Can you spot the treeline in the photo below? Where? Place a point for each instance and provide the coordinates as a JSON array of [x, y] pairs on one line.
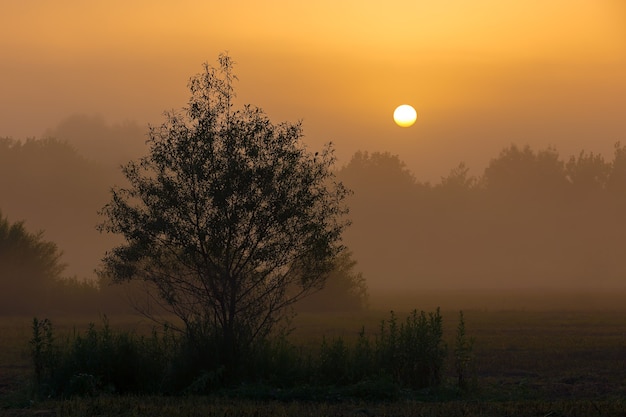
[[532, 219]]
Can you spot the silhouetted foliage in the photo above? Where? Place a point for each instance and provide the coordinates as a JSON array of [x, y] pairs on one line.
[[382, 169], [29, 265], [524, 174], [401, 355], [225, 215], [344, 289], [588, 173], [616, 181], [458, 180]]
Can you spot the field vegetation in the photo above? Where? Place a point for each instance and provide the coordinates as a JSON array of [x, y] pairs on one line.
[[534, 362]]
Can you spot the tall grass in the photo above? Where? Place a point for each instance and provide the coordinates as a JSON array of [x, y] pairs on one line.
[[464, 357], [98, 360], [408, 354], [411, 353]]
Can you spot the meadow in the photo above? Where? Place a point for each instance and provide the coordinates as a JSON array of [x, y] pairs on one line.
[[554, 357]]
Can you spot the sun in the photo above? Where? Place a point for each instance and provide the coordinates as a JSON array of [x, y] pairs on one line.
[[404, 115]]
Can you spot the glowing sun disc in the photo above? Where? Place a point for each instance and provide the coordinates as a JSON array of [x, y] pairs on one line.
[[404, 115]]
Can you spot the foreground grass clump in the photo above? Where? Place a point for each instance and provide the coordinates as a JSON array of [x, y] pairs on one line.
[[411, 354], [401, 355], [99, 360]]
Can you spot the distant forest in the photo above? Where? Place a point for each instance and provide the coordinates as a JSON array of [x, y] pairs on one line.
[[532, 219]]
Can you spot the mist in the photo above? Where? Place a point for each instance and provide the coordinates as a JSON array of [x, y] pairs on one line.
[[57, 184], [534, 220]]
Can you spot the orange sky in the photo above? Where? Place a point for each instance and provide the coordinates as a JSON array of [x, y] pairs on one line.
[[481, 74]]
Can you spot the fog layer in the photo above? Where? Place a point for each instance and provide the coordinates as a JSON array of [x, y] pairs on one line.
[[532, 219]]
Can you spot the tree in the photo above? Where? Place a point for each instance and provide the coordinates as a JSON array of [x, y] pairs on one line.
[[616, 182], [375, 172], [588, 173], [521, 174], [458, 180], [29, 266], [345, 289], [225, 214]]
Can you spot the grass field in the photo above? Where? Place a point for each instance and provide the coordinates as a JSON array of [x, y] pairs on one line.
[[537, 361]]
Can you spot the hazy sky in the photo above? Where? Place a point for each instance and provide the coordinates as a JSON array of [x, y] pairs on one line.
[[482, 74]]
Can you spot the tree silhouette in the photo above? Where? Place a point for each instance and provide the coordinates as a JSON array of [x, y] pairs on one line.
[[29, 266], [616, 182], [225, 215], [588, 173], [523, 173]]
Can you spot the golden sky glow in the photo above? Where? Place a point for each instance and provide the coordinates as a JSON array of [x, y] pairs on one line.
[[481, 74]]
